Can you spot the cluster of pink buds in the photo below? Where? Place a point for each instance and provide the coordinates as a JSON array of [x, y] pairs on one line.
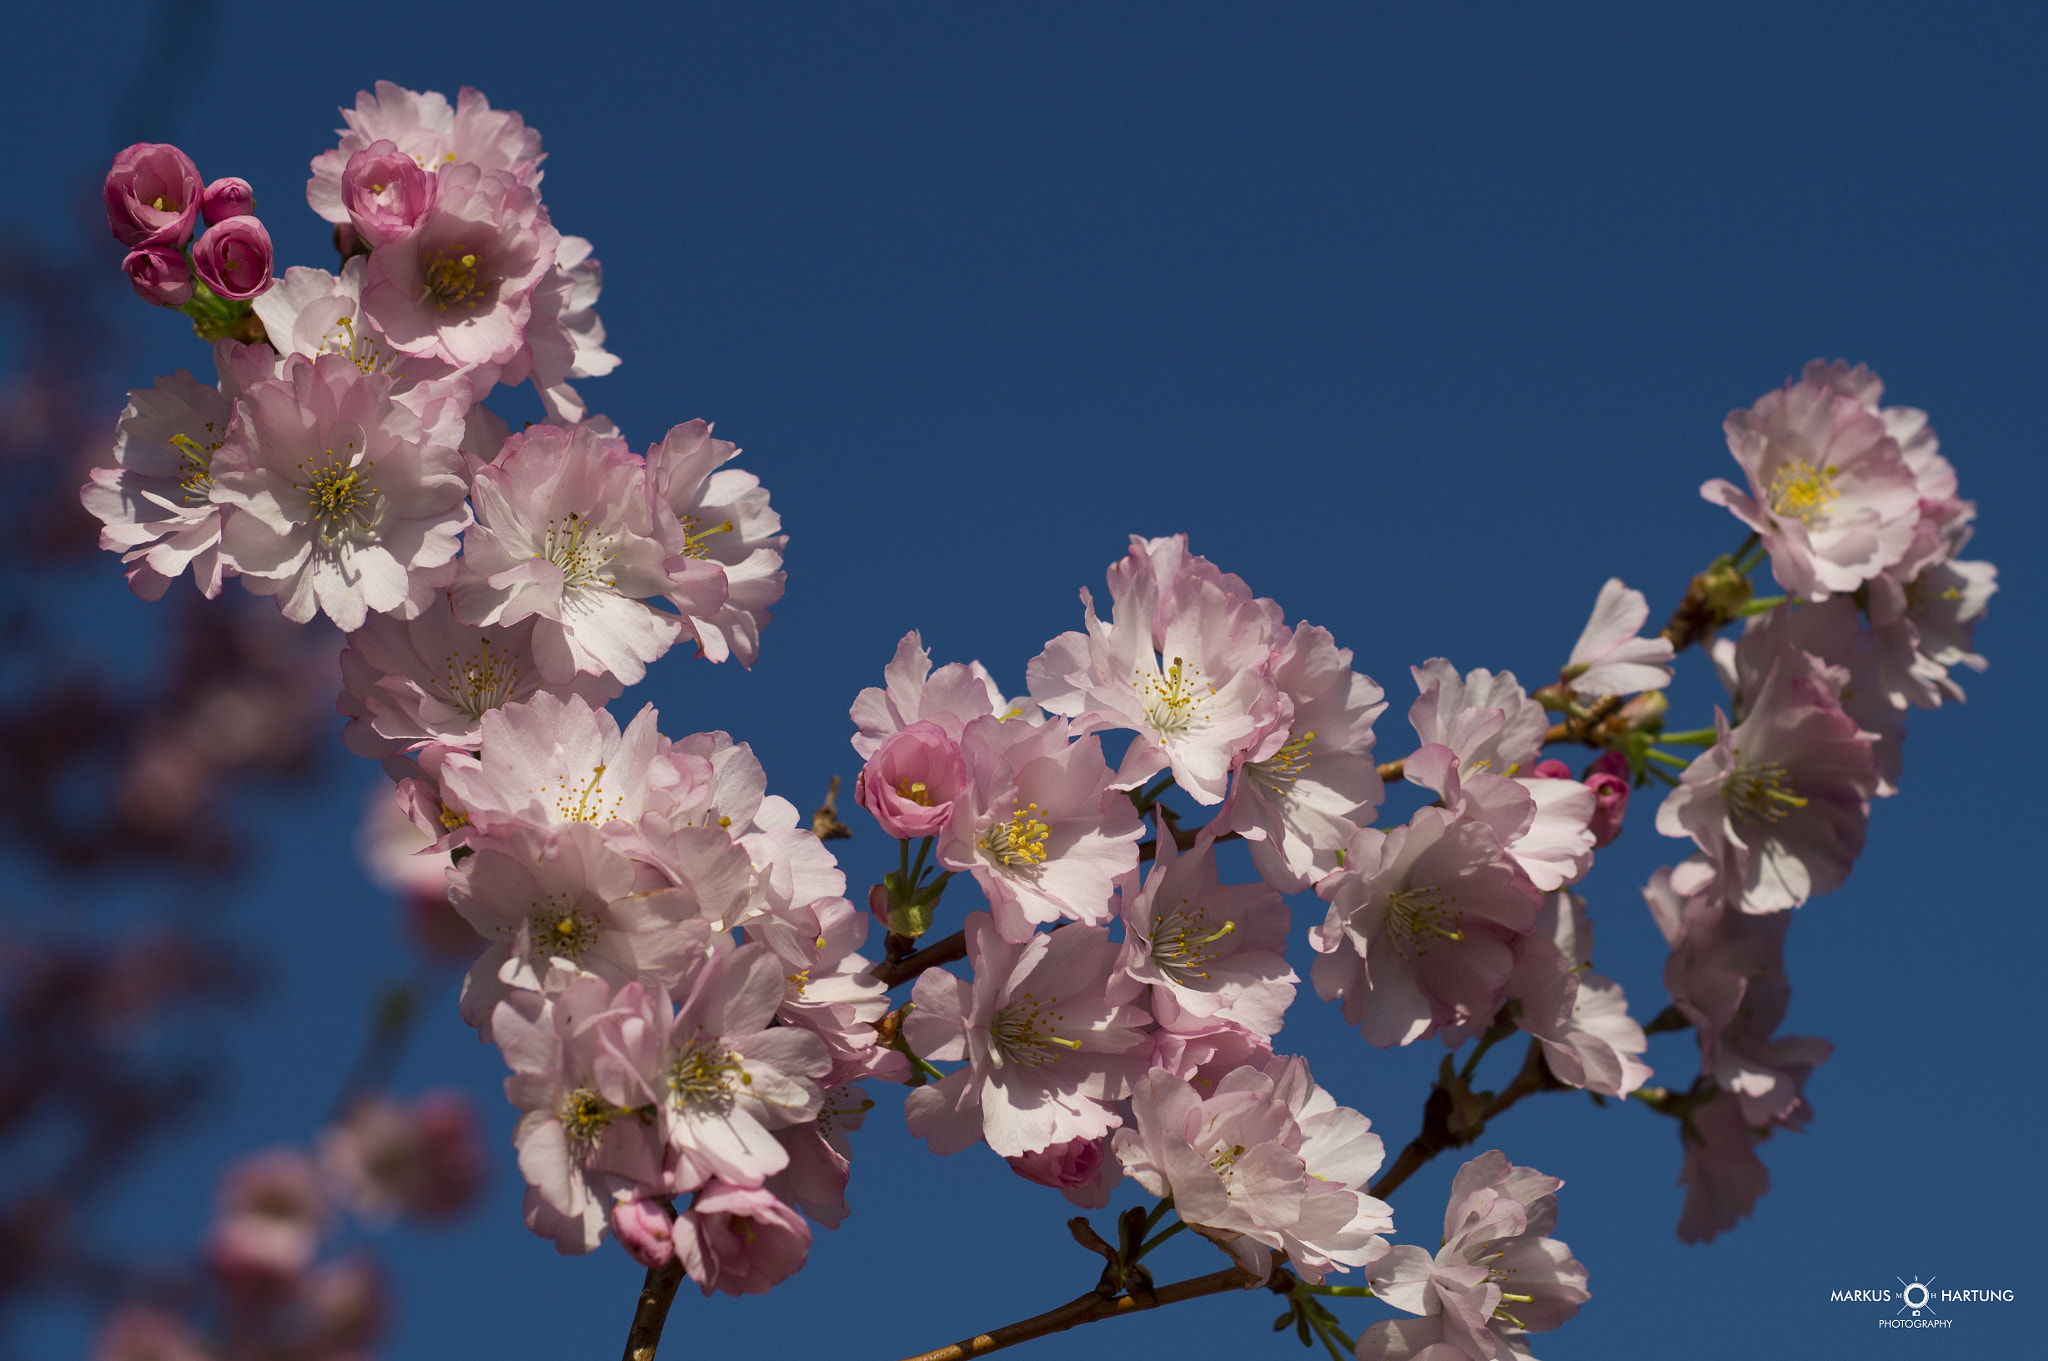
[[154, 205]]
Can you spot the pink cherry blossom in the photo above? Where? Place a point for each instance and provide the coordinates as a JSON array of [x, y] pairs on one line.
[[565, 532], [234, 258], [1299, 805], [432, 679], [422, 1159], [159, 275], [433, 135], [724, 541], [343, 499], [1609, 659], [1204, 1050], [156, 501], [312, 312], [565, 337], [1082, 1170], [386, 193], [152, 195], [1047, 1055], [579, 1135], [553, 761], [1268, 1163], [566, 896], [1420, 926], [741, 1240], [1487, 720], [459, 286], [829, 990], [270, 1218], [1038, 825], [952, 697], [1580, 1018], [820, 1156], [1830, 493], [1722, 1175], [730, 1080], [1497, 1277], [911, 781], [1196, 690], [1782, 799], [1543, 819], [1206, 949]]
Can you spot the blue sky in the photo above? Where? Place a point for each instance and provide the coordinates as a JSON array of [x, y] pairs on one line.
[[1422, 321]]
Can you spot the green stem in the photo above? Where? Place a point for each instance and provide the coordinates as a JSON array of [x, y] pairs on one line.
[[1150, 797], [1692, 737], [1159, 1212], [1667, 758], [924, 848], [1156, 1239], [1760, 604], [1363, 1292], [1495, 1033]]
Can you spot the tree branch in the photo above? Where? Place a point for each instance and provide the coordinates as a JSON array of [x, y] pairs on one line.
[[1089, 1308], [656, 1296], [893, 972], [1440, 1132]]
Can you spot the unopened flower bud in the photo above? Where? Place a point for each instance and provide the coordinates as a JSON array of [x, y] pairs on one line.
[[1608, 778], [225, 198], [645, 1231], [386, 193], [1646, 710], [159, 275], [152, 195], [234, 258]]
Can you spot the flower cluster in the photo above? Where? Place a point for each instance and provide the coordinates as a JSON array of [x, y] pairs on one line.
[[1860, 515]]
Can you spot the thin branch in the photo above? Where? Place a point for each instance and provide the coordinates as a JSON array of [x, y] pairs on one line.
[[1437, 1136], [893, 972], [1089, 1308], [825, 823], [656, 1296]]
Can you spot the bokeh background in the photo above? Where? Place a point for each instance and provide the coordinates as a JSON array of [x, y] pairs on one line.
[[1421, 319]]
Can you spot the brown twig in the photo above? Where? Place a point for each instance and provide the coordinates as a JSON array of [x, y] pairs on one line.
[[1437, 1133], [1089, 1308], [892, 972], [1394, 771], [656, 1295], [825, 823]]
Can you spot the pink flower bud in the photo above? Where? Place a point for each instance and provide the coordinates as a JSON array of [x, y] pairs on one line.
[[878, 905], [910, 782], [159, 275], [1082, 1170], [1608, 778], [225, 198], [741, 1240], [386, 193], [644, 1230], [234, 258], [1550, 770], [152, 195]]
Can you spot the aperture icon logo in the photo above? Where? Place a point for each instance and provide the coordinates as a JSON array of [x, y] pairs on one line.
[[1916, 1296]]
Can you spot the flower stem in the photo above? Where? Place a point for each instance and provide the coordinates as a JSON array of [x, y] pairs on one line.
[[1156, 1239], [1693, 737], [656, 1295]]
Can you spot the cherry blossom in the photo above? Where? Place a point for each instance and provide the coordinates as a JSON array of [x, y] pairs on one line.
[[951, 697], [435, 136], [724, 540], [1609, 659], [1047, 1055]]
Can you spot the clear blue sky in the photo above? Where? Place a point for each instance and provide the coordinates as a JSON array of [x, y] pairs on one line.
[[1423, 322]]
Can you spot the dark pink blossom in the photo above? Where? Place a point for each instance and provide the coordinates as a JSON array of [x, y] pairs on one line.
[[152, 195], [226, 197], [234, 258], [911, 781], [1082, 1170], [386, 193], [159, 275], [1608, 778]]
